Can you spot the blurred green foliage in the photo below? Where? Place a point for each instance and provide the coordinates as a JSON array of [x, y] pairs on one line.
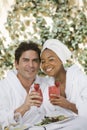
[[39, 20]]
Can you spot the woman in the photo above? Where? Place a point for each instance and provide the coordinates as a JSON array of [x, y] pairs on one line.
[[72, 82]]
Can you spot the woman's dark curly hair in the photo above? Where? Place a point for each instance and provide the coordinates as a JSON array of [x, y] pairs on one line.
[[25, 46]]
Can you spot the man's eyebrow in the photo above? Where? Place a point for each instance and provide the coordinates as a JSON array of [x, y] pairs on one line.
[[24, 58], [36, 59]]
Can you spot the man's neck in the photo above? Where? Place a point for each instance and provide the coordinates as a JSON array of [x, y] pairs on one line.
[[26, 83]]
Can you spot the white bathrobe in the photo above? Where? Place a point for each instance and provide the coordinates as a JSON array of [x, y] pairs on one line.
[[76, 92], [76, 89], [12, 96]]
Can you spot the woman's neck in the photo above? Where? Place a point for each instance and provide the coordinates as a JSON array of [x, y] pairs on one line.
[[61, 77]]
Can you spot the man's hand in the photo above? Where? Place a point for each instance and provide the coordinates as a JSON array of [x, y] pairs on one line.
[[32, 99]]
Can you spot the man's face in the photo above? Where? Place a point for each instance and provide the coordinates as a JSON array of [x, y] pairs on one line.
[[28, 65]]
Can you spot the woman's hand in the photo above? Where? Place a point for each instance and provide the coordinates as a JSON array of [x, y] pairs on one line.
[[62, 102], [59, 100]]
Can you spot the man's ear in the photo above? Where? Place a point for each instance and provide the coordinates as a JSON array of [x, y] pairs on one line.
[[16, 64]]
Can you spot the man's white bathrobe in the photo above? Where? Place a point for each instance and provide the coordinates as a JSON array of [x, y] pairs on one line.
[[12, 95]]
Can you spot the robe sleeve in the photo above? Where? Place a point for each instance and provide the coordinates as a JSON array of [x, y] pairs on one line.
[[5, 113], [81, 101]]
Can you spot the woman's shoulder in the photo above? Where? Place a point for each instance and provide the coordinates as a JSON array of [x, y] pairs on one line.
[[76, 71], [75, 68]]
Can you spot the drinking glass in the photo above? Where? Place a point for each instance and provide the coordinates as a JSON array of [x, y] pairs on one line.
[[16, 124], [53, 90], [0, 125], [4, 123]]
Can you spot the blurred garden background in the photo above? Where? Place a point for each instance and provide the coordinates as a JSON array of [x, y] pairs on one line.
[[38, 20]]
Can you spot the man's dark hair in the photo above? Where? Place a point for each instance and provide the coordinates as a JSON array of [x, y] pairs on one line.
[[25, 46]]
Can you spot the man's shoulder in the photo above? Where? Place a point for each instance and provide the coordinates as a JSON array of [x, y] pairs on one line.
[[7, 79]]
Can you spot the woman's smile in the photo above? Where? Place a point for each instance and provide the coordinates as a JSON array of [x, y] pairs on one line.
[[48, 69]]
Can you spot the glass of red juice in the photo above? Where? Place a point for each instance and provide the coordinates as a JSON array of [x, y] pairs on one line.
[[37, 89], [54, 90]]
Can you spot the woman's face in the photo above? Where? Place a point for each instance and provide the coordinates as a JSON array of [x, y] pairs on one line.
[[50, 63]]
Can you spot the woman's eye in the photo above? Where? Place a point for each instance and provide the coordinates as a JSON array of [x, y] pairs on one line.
[[51, 59], [42, 62]]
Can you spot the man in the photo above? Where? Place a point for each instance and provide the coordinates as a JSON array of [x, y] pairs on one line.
[[17, 89]]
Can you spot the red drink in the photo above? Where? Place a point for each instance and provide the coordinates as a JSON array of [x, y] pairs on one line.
[[37, 89], [54, 90], [36, 86]]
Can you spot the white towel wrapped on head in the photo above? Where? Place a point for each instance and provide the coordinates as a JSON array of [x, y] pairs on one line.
[[59, 48]]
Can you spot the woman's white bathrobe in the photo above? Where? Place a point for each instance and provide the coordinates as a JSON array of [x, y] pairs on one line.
[[76, 90]]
